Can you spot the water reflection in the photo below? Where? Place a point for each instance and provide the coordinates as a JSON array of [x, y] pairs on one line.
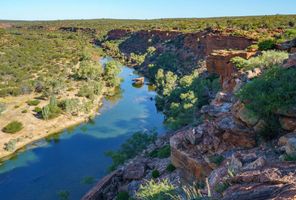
[[64, 162]]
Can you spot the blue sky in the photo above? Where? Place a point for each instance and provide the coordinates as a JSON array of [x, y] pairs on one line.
[[139, 9]]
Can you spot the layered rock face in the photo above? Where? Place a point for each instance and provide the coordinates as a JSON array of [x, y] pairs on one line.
[[254, 174], [117, 34], [224, 150], [187, 49], [193, 148], [219, 62], [138, 42]]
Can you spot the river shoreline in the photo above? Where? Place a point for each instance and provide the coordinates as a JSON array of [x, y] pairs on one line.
[[42, 129]]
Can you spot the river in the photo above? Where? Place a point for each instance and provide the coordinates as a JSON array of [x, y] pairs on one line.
[[69, 163]]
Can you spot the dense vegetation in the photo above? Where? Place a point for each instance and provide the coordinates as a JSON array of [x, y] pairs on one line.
[[265, 60], [273, 92], [180, 97]]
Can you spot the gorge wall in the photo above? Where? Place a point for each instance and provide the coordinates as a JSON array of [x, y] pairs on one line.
[[223, 149], [175, 51]]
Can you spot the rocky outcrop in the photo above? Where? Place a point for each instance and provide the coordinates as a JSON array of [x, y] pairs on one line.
[[185, 50], [277, 181], [289, 46], [255, 173], [139, 41], [193, 147], [219, 62], [219, 42], [104, 188], [78, 29], [135, 172], [117, 34]]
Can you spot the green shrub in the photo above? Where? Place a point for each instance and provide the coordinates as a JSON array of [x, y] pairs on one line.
[[24, 111], [89, 70], [155, 174], [13, 127], [179, 99], [122, 196], [163, 152], [129, 149], [266, 60], [170, 168], [51, 110], [289, 158], [10, 146], [152, 190], [37, 110], [271, 92], [221, 187], [34, 102], [267, 44], [70, 106], [217, 159]]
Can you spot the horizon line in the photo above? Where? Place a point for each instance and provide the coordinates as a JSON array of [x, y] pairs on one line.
[[135, 19]]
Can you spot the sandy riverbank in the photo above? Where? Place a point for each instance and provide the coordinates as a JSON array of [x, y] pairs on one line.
[[34, 128]]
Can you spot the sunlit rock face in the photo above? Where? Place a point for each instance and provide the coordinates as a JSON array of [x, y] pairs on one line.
[[219, 62], [186, 49]]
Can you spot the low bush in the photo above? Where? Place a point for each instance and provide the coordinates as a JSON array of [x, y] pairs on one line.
[[163, 190], [163, 152], [24, 111], [10, 146], [170, 168], [153, 190], [217, 159], [34, 102], [155, 174], [70, 106], [221, 187], [13, 127], [266, 44], [266, 60], [289, 158], [37, 110], [51, 110], [272, 92]]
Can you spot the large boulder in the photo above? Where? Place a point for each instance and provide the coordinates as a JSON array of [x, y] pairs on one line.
[[134, 171]]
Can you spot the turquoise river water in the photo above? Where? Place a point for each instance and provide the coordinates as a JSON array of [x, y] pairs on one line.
[[72, 161]]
